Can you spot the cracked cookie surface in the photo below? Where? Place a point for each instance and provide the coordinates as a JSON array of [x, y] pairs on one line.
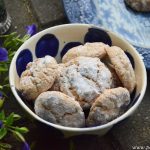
[[58, 69], [122, 66], [38, 77], [58, 108], [96, 49], [84, 78], [108, 106]]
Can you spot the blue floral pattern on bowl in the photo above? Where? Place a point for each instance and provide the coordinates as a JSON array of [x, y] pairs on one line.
[[47, 45], [97, 35], [24, 57], [117, 17], [69, 46]]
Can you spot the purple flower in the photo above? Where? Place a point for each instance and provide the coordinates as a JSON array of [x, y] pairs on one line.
[[1, 95], [26, 146], [31, 29], [3, 54], [1, 124]]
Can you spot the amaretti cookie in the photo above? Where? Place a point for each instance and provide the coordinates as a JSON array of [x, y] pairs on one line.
[[38, 77], [96, 49], [122, 66], [115, 79], [139, 5], [84, 78], [58, 69], [59, 108], [109, 105]]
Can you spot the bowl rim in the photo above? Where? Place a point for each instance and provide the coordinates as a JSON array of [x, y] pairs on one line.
[[72, 129]]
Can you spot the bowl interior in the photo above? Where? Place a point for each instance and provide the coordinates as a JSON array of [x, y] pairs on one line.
[[56, 41]]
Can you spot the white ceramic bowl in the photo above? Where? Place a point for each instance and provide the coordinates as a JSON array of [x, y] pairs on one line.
[[55, 41]]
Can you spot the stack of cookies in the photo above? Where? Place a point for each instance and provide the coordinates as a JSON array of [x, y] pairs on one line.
[[93, 78]]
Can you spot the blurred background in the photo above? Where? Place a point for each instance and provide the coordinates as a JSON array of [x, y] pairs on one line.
[[135, 131]]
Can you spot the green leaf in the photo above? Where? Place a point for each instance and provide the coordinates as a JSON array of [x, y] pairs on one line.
[[3, 69], [10, 119], [12, 54], [1, 103], [26, 37], [5, 146], [3, 132], [22, 130], [12, 42], [6, 85], [2, 115], [18, 136], [8, 35], [16, 117], [71, 145]]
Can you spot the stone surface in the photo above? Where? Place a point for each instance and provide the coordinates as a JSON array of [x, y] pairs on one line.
[[106, 142], [47, 138], [21, 15], [48, 12]]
